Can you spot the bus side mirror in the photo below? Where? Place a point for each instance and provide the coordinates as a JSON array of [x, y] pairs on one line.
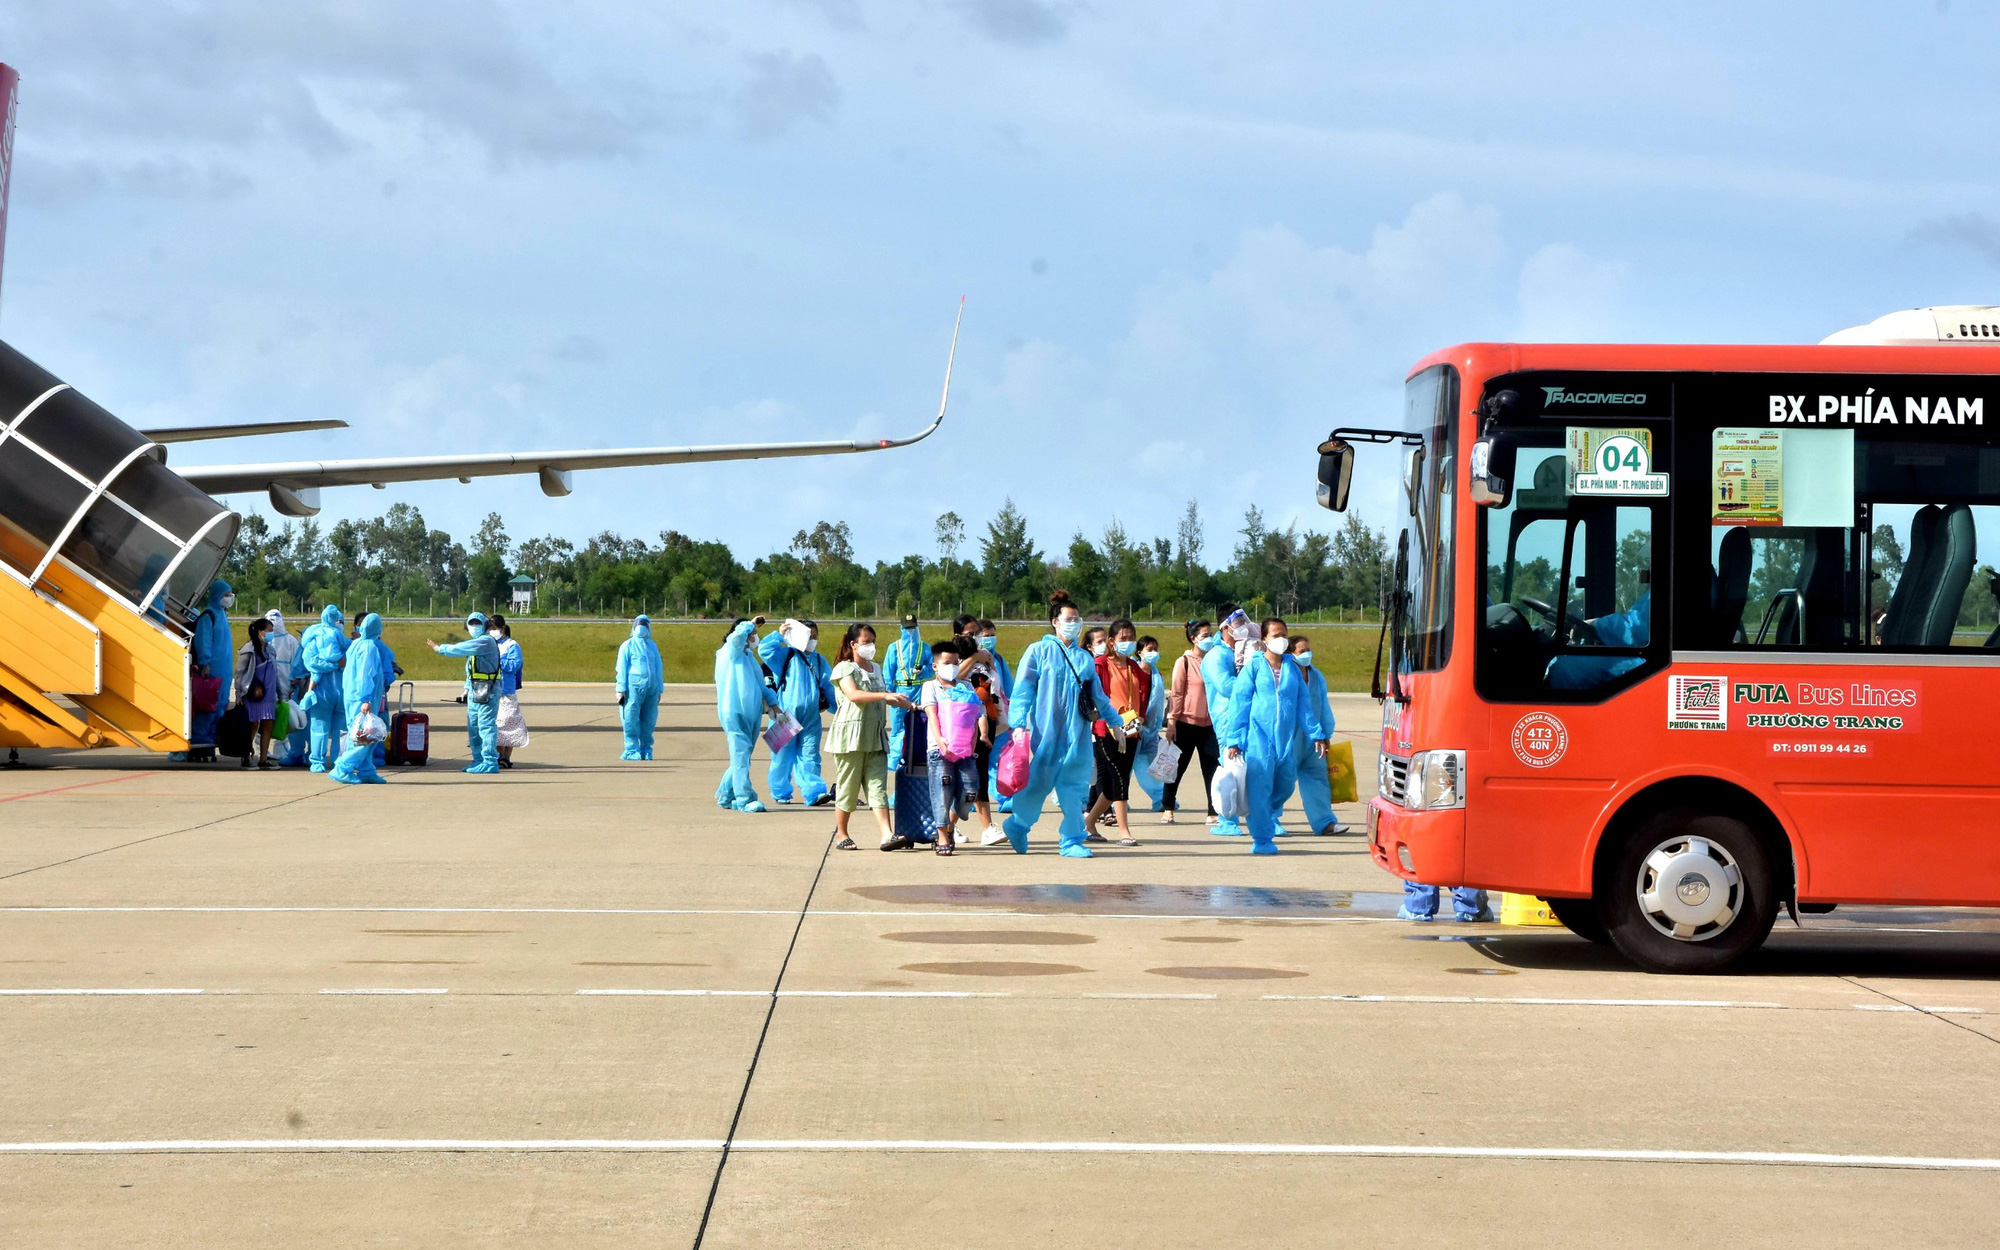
[[1336, 474], [1492, 468]]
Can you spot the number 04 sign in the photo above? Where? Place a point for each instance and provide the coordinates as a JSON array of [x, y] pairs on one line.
[[1613, 462]]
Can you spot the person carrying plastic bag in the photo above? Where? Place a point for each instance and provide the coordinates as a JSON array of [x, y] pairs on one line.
[[364, 680], [1268, 704], [805, 688], [365, 730], [1056, 697]]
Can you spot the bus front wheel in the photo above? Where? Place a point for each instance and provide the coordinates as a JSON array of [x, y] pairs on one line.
[[1689, 891]]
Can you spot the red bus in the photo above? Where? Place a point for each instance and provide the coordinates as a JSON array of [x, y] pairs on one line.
[[1683, 636]]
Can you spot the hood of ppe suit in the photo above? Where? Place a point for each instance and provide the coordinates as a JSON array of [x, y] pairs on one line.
[[805, 677], [216, 590], [210, 643], [277, 620], [476, 621], [1218, 676], [367, 674], [642, 627], [371, 626], [330, 615]]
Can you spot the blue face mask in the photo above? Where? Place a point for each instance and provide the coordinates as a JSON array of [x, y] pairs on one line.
[[1208, 643], [1305, 659], [988, 642], [1125, 648], [1070, 630], [1150, 657]]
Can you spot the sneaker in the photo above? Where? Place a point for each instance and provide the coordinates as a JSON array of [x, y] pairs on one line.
[[898, 843], [992, 835], [824, 800]]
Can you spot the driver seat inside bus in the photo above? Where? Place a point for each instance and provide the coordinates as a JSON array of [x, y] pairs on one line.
[[1731, 595]]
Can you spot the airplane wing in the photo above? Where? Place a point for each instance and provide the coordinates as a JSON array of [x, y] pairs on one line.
[[203, 433], [294, 486]]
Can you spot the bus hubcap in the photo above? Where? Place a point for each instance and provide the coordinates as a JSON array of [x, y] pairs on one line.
[[1690, 889]]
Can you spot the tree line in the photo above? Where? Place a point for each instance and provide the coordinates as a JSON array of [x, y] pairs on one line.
[[396, 563]]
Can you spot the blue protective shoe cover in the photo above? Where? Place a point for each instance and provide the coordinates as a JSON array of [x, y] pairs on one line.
[[752, 806], [1404, 913], [1075, 852], [483, 768]]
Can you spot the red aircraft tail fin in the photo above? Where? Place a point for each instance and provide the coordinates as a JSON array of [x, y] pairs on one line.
[[9, 85]]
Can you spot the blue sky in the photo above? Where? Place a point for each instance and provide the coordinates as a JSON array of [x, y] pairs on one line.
[[1192, 237]]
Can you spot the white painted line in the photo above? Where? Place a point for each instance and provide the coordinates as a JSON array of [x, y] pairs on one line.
[[619, 993], [1563, 1154], [141, 991], [1949, 1011], [386, 991], [1526, 1002]]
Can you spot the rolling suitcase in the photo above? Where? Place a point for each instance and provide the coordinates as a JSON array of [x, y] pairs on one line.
[[912, 780], [409, 730], [233, 737]]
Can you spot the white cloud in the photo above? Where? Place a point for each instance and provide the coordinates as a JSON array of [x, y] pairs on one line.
[[782, 91]]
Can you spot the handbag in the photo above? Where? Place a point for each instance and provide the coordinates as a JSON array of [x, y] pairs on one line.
[[207, 692], [1340, 776]]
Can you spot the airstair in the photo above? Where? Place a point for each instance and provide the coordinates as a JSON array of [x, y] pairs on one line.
[[106, 556]]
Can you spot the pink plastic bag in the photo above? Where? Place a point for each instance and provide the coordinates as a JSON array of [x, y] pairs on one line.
[[781, 733], [960, 722], [1015, 758]]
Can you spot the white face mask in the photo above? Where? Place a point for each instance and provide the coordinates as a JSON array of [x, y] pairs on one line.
[[1069, 630], [864, 650], [947, 672], [812, 644], [1278, 645], [229, 601], [1097, 648], [492, 633]]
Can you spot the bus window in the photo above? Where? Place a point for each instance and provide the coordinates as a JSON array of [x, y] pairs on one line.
[[1568, 613], [1912, 569]]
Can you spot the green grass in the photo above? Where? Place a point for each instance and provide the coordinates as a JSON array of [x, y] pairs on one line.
[[583, 651]]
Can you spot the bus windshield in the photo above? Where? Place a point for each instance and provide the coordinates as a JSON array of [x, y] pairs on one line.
[[1422, 602]]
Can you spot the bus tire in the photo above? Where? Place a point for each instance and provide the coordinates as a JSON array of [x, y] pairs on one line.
[[1579, 916], [1689, 891]]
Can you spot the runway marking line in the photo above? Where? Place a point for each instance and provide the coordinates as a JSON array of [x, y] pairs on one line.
[[111, 991], [81, 785], [1554, 1154], [387, 990]]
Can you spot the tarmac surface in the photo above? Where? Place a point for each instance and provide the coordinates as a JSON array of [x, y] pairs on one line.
[[578, 1005]]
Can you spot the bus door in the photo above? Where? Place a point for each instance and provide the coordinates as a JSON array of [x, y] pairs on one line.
[[1565, 634]]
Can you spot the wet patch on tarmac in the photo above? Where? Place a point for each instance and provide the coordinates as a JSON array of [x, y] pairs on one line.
[[1485, 972], [1445, 937], [1201, 939], [1224, 973], [995, 969], [993, 937], [1145, 900]]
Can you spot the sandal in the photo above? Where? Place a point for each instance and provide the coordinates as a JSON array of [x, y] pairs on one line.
[[944, 847], [1128, 841], [845, 844]]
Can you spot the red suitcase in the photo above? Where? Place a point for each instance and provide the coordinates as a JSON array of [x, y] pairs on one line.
[[409, 730]]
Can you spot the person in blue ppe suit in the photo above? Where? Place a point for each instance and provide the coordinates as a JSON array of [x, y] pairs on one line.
[[1218, 677], [1269, 705], [482, 691], [1055, 681], [322, 650], [213, 654], [640, 677], [1579, 670], [906, 668], [805, 689], [1314, 787], [380, 705], [363, 681], [1156, 716], [283, 648], [741, 698]]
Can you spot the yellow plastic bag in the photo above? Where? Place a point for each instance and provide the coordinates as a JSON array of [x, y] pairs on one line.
[[1340, 771]]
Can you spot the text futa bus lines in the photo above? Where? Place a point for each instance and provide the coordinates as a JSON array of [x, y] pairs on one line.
[[1680, 635]]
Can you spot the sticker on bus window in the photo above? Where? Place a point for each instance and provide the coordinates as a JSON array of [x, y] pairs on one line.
[[1748, 477], [1697, 702], [1539, 740], [1612, 462]]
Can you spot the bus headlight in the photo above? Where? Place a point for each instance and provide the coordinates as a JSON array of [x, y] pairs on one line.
[[1437, 781]]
